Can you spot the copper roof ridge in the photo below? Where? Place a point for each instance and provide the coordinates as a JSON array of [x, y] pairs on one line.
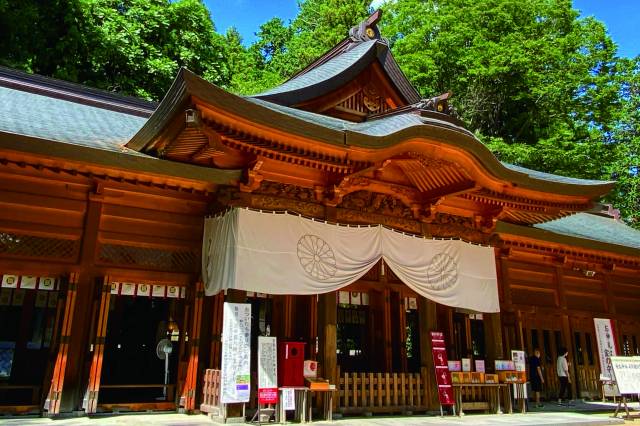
[[74, 92]]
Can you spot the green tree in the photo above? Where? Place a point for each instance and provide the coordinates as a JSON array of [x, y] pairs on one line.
[[131, 46], [540, 86]]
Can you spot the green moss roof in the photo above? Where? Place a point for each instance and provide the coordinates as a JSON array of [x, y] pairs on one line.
[[45, 117], [596, 228]]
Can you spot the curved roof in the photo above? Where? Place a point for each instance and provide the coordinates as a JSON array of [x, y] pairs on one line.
[[376, 134], [326, 71], [338, 71]]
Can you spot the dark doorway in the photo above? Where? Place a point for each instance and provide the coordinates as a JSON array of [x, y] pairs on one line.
[[132, 370], [28, 321]]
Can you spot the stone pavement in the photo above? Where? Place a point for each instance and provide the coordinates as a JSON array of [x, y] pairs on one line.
[[172, 419]]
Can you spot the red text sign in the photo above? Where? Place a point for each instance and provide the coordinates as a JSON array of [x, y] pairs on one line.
[[267, 395], [443, 377]]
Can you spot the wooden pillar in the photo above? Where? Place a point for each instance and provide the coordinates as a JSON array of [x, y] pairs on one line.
[[215, 357], [493, 337], [388, 352], [95, 371], [327, 336], [189, 391], [75, 379], [61, 362], [427, 322]]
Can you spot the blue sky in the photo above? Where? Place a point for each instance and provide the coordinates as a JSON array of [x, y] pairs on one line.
[[622, 17]]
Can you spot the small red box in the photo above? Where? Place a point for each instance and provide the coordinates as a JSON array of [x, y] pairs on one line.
[[291, 363]]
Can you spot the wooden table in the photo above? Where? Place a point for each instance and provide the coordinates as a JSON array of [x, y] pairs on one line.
[[300, 413], [327, 403], [304, 410], [494, 395]]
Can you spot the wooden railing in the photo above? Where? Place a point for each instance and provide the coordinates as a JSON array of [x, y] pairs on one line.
[[382, 392], [211, 392]]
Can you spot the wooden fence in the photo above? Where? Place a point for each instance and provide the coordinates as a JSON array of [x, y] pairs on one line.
[[211, 392], [382, 393]]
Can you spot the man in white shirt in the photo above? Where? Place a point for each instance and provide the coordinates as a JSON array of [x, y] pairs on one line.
[[562, 368]]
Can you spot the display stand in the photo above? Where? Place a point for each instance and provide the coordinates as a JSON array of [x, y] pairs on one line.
[[263, 409], [621, 402], [627, 378], [226, 419]]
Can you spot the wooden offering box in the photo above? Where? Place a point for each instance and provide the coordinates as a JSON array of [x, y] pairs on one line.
[[456, 377], [491, 378], [477, 377], [512, 376], [317, 383]]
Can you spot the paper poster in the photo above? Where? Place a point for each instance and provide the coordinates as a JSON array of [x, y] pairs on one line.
[[267, 370], [519, 360], [466, 364], [454, 365], [28, 282], [443, 377], [480, 365], [626, 370], [236, 353], [606, 339], [288, 399]]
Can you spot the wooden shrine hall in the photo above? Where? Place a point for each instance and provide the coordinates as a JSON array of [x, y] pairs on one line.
[[103, 203]]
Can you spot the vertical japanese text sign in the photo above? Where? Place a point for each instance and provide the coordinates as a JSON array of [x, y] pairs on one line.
[[606, 338], [443, 377], [236, 353], [267, 370]]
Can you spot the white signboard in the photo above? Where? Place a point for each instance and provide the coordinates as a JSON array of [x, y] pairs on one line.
[[626, 370], [267, 362], [605, 336], [267, 370], [519, 360], [236, 353], [288, 399]]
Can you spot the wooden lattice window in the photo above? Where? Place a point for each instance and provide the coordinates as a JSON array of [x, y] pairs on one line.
[[12, 244], [143, 257]]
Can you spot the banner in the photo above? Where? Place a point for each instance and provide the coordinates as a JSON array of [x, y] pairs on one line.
[[519, 360], [236, 353], [267, 370], [443, 377], [626, 371], [281, 253], [606, 339]]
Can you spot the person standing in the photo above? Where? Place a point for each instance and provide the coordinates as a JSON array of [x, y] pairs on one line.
[[562, 367], [535, 375]]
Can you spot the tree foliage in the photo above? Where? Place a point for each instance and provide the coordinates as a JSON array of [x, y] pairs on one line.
[[131, 46], [540, 86]]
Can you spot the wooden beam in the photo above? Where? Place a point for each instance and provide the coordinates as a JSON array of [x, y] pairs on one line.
[[428, 322]]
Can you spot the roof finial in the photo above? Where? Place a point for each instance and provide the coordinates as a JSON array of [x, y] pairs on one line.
[[438, 104], [367, 29]]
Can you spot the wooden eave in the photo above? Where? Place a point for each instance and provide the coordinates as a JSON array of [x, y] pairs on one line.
[[286, 146], [539, 240], [371, 78], [74, 160]]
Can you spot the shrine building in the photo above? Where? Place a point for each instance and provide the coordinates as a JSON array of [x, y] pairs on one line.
[[352, 213]]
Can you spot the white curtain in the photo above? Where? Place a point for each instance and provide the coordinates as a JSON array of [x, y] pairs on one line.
[[280, 253]]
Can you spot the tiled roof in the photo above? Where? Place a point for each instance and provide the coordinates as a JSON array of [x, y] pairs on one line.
[[596, 228], [325, 71], [45, 117], [551, 177]]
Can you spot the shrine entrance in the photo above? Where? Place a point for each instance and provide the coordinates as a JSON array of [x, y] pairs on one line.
[[140, 335], [30, 310]]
